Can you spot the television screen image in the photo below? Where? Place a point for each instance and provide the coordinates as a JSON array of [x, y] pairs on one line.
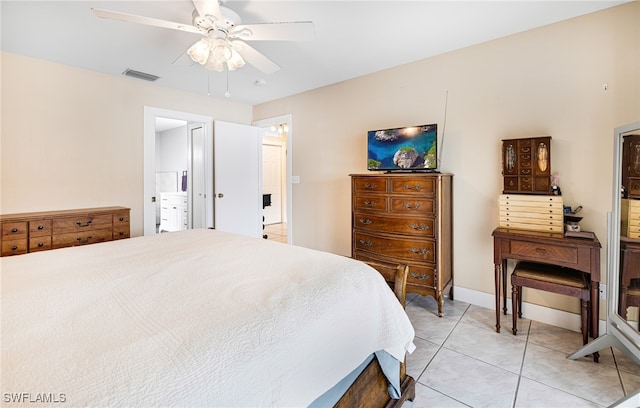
[[412, 148]]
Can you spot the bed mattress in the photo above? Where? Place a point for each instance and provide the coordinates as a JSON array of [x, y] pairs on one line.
[[190, 318]]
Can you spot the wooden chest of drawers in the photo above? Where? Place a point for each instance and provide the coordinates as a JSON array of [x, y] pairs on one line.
[[630, 218], [526, 165], [531, 212], [406, 218], [41, 231]]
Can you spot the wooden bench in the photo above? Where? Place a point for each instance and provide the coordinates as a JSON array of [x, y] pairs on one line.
[[556, 279]]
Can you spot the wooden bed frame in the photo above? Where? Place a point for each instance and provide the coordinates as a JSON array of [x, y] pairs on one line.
[[370, 389]]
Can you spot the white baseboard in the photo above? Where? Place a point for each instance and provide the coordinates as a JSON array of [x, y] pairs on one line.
[[531, 311]]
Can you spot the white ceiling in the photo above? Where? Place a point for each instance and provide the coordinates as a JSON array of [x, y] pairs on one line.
[[353, 38]]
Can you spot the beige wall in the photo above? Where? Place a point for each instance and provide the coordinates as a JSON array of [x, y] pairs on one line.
[[547, 81], [73, 138]]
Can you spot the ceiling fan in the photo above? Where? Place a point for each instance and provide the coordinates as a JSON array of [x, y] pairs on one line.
[[223, 37]]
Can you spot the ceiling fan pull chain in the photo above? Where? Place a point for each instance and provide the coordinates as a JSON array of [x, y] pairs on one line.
[[227, 93]]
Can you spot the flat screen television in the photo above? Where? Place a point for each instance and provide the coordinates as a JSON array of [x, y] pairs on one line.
[[412, 148]]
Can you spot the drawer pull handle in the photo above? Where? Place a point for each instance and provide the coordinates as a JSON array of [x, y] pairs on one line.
[[369, 203], [40, 227], [14, 247], [412, 206], [419, 227], [121, 233], [365, 221], [541, 251], [370, 186], [366, 243], [80, 224], [422, 276], [121, 219], [86, 240], [14, 230], [416, 187], [423, 251], [40, 244]]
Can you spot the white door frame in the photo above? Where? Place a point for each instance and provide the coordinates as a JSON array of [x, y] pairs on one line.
[[149, 160], [288, 185]]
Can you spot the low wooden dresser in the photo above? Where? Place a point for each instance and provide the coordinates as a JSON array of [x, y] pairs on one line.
[[41, 231], [406, 218]]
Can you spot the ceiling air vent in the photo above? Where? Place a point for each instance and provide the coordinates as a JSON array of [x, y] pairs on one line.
[[140, 75]]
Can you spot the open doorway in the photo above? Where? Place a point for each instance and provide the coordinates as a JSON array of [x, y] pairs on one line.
[[276, 136], [178, 171]]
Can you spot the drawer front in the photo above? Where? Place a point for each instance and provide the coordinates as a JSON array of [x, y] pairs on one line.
[[542, 184], [370, 184], [121, 232], [511, 184], [370, 203], [14, 230], [420, 276], [40, 228], [409, 249], [39, 243], [14, 246], [81, 222], [415, 226], [413, 206], [417, 186], [82, 237], [545, 252], [121, 218], [634, 187]]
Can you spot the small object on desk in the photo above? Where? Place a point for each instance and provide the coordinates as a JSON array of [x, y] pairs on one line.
[[580, 234]]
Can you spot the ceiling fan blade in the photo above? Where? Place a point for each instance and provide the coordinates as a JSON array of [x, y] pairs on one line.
[[184, 60], [208, 7], [131, 18], [255, 58], [293, 31]]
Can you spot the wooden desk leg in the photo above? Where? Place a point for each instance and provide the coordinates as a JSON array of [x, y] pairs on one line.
[[504, 286], [595, 308], [498, 274]]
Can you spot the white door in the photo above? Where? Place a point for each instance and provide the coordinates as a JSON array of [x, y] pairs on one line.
[[237, 179], [272, 181], [198, 186]]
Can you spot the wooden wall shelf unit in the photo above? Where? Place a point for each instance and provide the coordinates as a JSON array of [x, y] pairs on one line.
[[406, 218], [41, 231]]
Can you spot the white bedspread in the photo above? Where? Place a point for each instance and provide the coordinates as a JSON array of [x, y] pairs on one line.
[[192, 318]]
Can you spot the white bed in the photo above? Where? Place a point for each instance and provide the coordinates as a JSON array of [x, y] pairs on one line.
[[191, 318]]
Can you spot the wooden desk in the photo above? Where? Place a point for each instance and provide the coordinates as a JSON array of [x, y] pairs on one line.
[[629, 269], [550, 248]]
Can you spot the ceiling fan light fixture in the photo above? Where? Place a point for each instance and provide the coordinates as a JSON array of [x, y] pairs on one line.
[[199, 52], [235, 61]]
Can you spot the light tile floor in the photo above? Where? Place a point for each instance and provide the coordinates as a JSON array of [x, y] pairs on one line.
[[460, 361], [276, 232]]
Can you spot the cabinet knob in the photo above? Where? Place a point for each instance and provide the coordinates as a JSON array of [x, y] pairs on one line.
[[40, 227], [13, 248], [121, 219], [40, 244], [14, 230]]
